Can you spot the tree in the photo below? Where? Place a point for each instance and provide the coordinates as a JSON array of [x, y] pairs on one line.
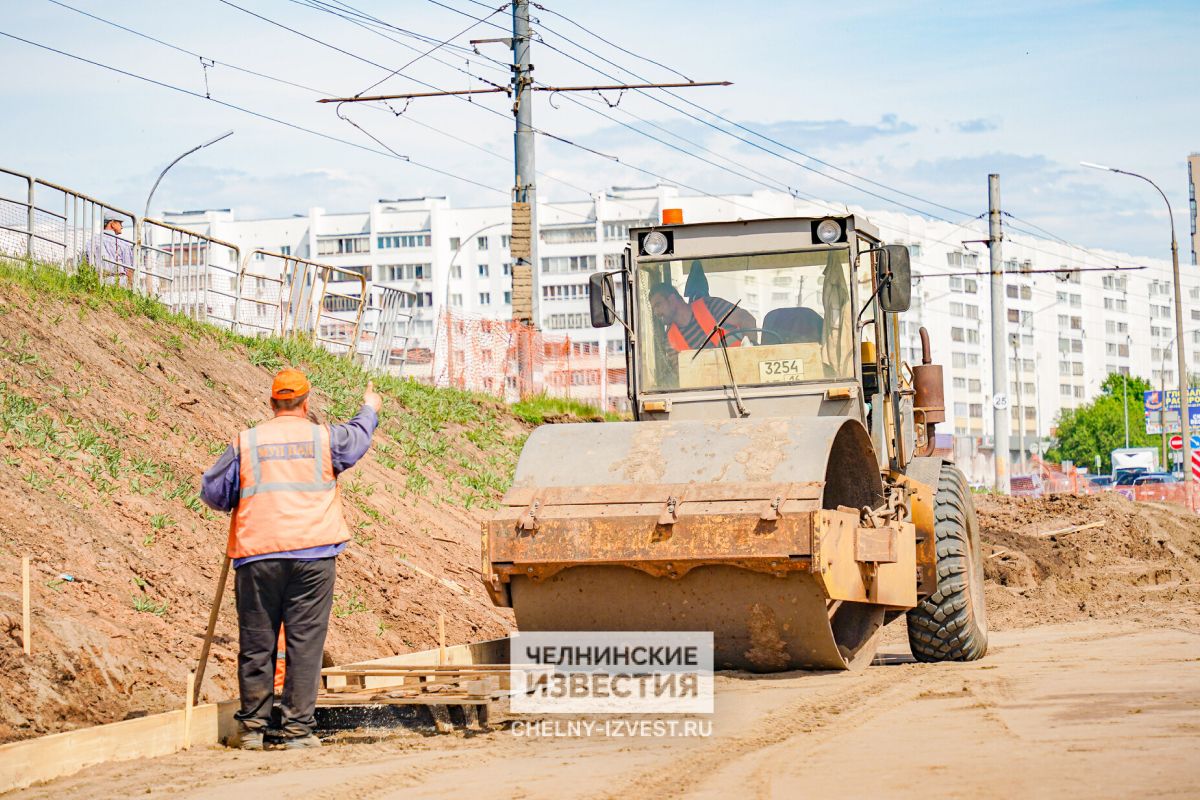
[[1098, 427]]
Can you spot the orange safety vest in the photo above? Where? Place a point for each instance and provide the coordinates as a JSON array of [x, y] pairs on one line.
[[289, 495], [706, 321]]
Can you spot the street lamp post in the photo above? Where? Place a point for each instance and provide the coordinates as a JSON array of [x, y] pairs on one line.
[[138, 236], [1125, 386], [1184, 414]]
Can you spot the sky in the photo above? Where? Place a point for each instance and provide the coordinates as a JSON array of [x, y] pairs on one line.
[[924, 98]]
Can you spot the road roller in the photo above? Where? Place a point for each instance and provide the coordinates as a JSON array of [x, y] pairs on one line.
[[780, 482]]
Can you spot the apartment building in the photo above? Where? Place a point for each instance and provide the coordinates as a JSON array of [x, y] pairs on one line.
[[1071, 318]]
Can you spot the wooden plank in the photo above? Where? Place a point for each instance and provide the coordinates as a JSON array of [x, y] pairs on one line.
[[420, 700], [49, 757], [26, 637], [1072, 529], [491, 651], [187, 711], [441, 638]]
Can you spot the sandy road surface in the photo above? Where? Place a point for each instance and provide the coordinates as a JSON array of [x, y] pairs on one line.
[[1095, 709]]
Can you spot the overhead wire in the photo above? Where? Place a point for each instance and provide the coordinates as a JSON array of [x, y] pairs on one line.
[[326, 93], [251, 112], [430, 51], [539, 131]]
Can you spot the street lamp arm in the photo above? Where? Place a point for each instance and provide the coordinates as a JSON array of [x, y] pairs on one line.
[[167, 169], [1162, 194]]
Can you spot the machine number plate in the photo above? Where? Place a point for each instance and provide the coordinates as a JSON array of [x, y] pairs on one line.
[[778, 370]]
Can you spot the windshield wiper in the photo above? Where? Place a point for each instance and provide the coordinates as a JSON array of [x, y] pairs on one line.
[[720, 332]]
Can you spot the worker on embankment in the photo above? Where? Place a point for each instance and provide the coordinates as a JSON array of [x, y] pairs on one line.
[[279, 479]]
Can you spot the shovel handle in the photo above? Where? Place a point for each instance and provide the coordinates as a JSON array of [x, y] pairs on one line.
[[212, 628]]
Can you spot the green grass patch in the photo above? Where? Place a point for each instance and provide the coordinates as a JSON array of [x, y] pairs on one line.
[[542, 408]]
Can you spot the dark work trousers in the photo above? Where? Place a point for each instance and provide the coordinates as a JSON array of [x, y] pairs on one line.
[[300, 595]]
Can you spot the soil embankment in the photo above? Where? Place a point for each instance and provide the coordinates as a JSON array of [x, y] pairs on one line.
[[109, 413]]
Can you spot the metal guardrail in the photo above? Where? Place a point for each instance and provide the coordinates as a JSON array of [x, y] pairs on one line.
[[262, 293], [305, 298], [387, 327], [59, 225], [191, 273]]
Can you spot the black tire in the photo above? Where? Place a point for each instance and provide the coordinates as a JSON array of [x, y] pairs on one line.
[[951, 624]]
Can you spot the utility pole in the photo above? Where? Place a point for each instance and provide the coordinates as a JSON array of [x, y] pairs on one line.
[[523, 242], [1000, 418]]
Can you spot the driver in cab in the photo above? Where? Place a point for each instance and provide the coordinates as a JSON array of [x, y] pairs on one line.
[[688, 325]]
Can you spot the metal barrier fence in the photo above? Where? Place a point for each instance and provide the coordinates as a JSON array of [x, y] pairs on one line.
[[200, 276], [487, 355], [192, 274], [387, 328], [53, 224], [302, 297], [1051, 479]]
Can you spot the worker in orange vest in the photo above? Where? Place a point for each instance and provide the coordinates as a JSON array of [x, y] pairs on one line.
[[689, 324], [279, 480]]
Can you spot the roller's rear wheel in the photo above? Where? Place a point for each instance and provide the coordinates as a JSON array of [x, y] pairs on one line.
[[951, 624]]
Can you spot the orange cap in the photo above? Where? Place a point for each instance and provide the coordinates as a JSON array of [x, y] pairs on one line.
[[289, 383], [672, 216]]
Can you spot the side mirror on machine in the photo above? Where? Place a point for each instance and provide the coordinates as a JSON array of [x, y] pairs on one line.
[[601, 298], [895, 278]]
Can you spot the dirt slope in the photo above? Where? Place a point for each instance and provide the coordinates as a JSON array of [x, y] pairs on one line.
[[109, 412]]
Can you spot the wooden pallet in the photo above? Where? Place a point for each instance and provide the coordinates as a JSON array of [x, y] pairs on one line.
[[438, 688]]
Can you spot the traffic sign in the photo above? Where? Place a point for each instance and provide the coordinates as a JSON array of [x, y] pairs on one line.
[[1177, 442]]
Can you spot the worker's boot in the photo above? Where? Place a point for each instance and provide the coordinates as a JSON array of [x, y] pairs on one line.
[[251, 740], [298, 742]]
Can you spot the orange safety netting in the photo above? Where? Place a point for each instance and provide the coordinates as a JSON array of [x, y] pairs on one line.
[[512, 360]]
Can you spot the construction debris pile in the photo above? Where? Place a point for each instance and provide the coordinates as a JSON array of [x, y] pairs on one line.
[[1064, 558]]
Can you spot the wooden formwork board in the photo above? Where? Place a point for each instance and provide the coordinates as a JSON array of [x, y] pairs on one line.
[[48, 757]]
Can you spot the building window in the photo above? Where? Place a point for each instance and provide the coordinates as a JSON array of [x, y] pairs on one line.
[[566, 264], [455, 242], [572, 291], [563, 321], [417, 300], [483, 270], [481, 243], [485, 298], [572, 235], [508, 298], [404, 272], [508, 268], [456, 300], [402, 240], [342, 245], [285, 250], [505, 241], [456, 271]]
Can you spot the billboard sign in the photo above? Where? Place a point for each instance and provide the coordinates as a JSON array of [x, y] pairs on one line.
[[1162, 410]]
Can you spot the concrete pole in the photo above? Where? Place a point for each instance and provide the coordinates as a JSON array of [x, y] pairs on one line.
[[524, 188], [1000, 417]]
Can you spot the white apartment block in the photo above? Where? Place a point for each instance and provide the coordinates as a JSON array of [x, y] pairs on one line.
[[1066, 330]]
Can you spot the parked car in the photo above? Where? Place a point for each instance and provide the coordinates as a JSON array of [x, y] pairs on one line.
[[1126, 477], [1101, 481], [1155, 486], [1155, 477]]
